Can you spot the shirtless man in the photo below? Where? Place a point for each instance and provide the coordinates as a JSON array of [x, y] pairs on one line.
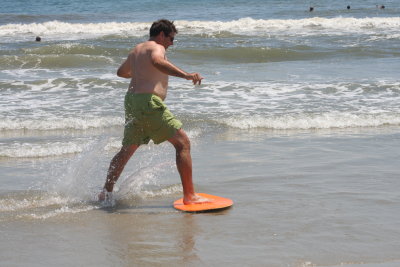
[[146, 115]]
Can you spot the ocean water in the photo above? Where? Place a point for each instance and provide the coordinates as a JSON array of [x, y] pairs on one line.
[[297, 120]]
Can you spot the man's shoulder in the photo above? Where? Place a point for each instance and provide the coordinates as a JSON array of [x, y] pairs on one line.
[[153, 46], [148, 48], [141, 47]]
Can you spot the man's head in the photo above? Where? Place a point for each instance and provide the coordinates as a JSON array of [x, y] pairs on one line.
[[163, 32], [162, 25]]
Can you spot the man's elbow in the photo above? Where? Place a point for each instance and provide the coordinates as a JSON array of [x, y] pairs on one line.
[[158, 62], [119, 73], [123, 74]]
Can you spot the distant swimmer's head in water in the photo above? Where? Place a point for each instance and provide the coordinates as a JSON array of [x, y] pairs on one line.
[[311, 9], [38, 39], [348, 7], [166, 29]]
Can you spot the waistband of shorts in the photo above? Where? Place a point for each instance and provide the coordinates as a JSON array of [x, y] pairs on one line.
[[143, 96]]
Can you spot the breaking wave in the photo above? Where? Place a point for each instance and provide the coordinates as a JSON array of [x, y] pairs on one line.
[[313, 121], [244, 26]]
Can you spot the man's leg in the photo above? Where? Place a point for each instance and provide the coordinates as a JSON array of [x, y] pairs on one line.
[[181, 143], [116, 167]]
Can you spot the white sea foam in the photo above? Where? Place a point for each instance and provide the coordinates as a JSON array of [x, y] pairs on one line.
[[65, 31], [62, 210], [294, 26], [15, 203], [269, 99], [274, 103], [113, 144], [310, 121], [170, 190], [68, 31], [59, 123], [42, 206], [29, 150]]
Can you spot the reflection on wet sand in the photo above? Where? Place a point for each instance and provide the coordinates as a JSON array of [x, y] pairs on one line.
[[152, 236]]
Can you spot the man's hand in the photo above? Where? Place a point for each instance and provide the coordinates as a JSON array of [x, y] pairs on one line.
[[195, 77]]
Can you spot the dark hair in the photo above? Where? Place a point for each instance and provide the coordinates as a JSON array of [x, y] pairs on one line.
[[162, 25]]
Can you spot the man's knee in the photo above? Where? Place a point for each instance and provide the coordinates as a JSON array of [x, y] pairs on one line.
[[180, 140], [185, 143]]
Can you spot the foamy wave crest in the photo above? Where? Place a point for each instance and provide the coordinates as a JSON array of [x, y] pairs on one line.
[[113, 144], [59, 123], [28, 150], [67, 31], [276, 26], [310, 121], [25, 202], [40, 205]]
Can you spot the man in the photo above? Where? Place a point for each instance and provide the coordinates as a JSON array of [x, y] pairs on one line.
[[146, 115]]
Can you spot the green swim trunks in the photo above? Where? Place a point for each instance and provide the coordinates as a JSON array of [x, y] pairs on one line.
[[147, 117]]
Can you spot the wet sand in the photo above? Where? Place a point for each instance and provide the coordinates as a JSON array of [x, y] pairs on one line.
[[301, 199]]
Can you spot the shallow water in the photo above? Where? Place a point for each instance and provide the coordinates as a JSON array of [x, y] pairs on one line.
[[301, 199]]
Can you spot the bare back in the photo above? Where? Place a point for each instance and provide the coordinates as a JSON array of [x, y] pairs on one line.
[[146, 78]]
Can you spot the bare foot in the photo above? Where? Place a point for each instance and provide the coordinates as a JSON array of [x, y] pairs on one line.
[[104, 195], [106, 199], [196, 199], [101, 196]]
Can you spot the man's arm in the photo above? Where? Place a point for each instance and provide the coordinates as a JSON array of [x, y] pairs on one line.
[[124, 70], [162, 64]]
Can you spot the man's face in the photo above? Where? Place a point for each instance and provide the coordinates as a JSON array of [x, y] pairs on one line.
[[169, 40]]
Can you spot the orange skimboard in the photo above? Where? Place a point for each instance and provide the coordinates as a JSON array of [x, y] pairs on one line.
[[216, 203]]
